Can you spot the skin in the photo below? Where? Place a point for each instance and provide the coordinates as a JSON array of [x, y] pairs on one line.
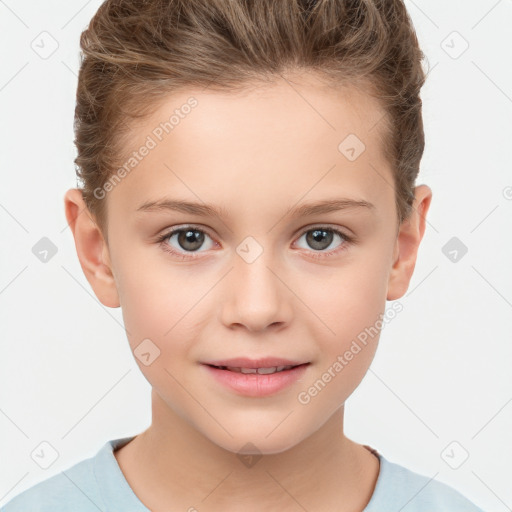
[[257, 155]]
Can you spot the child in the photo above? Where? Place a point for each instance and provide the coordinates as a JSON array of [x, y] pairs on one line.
[[282, 140]]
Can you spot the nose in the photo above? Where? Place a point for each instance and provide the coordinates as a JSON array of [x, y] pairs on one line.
[[255, 296]]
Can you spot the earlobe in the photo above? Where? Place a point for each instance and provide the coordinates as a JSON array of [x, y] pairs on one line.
[[407, 244], [91, 248]]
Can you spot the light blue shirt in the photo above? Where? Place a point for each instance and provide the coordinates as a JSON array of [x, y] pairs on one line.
[[98, 484]]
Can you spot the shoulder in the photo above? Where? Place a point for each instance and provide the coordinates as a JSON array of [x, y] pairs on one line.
[[400, 489], [74, 487], [91, 485]]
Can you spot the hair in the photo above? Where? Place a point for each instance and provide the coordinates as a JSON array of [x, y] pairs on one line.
[[137, 52]]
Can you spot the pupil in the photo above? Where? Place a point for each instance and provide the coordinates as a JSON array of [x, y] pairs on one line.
[[315, 240], [193, 237]]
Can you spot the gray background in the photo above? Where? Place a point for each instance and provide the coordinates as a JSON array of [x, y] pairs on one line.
[[439, 389]]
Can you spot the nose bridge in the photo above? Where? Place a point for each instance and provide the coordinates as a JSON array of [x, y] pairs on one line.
[[255, 295]]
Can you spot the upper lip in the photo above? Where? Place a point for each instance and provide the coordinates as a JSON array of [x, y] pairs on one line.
[[245, 362]]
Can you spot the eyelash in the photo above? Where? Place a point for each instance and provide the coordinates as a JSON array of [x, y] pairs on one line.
[[316, 254]]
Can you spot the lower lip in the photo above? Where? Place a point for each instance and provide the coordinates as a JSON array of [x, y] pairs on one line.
[[254, 384]]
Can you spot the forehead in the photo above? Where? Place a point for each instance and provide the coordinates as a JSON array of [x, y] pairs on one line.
[[291, 139]]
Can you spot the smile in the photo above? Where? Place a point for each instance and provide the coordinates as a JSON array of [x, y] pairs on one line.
[[255, 382], [261, 371]]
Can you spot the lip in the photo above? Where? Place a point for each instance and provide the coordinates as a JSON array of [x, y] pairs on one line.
[[263, 362], [255, 384]]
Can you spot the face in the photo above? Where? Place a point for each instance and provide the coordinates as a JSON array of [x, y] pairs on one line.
[[263, 277]]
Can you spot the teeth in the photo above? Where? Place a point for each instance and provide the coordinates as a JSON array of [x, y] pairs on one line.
[[265, 371], [261, 371], [246, 370]]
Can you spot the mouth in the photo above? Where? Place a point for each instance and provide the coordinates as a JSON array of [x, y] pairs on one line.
[[260, 370], [255, 379]]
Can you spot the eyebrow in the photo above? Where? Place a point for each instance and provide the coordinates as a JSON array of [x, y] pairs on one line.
[[206, 210]]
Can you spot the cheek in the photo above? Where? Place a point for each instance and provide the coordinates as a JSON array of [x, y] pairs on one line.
[[349, 304], [156, 302], [347, 298], [160, 309], [346, 348]]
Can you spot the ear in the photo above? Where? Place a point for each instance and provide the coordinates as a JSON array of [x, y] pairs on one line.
[[407, 244], [91, 248]]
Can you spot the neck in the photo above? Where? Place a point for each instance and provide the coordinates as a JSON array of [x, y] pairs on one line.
[[172, 464]]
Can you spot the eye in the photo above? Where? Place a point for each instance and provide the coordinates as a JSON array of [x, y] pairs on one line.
[[187, 238], [320, 238]]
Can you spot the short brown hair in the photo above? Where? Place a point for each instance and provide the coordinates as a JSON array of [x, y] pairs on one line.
[[136, 52]]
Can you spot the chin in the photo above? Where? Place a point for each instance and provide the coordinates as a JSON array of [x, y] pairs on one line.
[[254, 441]]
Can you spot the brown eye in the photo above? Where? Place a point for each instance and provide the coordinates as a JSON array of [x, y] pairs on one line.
[[319, 239], [190, 239], [184, 240]]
